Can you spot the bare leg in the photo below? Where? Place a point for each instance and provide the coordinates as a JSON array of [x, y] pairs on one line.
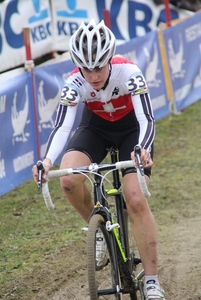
[[74, 187], [144, 227]]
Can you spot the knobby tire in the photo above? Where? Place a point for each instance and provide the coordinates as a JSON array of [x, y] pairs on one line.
[[104, 278]]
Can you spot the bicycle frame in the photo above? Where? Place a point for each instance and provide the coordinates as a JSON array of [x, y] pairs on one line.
[[118, 229], [101, 205]]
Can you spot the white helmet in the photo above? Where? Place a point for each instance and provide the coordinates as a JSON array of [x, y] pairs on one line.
[[92, 45]]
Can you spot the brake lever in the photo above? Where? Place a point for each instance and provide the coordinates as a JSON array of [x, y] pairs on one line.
[[41, 170], [137, 153]]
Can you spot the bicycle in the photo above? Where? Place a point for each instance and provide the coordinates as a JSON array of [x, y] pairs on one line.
[[117, 279]]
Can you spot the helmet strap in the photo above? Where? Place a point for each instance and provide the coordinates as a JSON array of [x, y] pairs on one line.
[[108, 79]]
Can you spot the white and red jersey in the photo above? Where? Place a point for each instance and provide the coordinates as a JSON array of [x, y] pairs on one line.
[[126, 91]]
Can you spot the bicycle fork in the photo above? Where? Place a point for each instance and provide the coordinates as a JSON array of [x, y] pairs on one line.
[[135, 283]]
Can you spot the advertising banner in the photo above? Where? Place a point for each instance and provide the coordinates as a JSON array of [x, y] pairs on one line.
[[183, 44], [129, 18], [17, 135], [16, 15], [52, 23]]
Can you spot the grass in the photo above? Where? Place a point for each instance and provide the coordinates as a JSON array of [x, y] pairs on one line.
[[30, 234]]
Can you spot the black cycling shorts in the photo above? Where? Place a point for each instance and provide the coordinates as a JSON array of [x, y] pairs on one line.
[[95, 136]]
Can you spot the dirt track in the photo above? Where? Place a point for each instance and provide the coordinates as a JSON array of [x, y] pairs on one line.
[[179, 259]]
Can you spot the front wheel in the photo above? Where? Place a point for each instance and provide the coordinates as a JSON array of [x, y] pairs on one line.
[[102, 277]]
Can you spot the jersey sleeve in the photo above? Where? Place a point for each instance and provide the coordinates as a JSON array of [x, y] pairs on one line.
[[137, 87], [144, 114], [65, 118], [70, 95], [136, 83], [60, 133]]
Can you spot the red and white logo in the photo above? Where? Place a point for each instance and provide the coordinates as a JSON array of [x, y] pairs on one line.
[[93, 94]]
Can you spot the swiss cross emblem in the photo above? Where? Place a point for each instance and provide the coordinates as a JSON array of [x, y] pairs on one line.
[[93, 94]]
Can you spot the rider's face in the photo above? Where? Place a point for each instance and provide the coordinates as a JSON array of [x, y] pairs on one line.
[[97, 77]]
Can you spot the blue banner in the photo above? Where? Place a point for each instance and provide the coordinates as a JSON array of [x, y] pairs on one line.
[[144, 51], [17, 135], [183, 44]]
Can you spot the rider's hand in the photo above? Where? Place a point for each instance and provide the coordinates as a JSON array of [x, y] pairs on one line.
[[147, 162], [47, 165]]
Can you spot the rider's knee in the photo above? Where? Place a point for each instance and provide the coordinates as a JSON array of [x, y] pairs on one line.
[[136, 203], [67, 183]]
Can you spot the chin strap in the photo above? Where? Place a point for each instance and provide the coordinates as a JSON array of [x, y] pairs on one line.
[[108, 79]]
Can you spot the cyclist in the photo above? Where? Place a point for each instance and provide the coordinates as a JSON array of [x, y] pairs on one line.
[[117, 112]]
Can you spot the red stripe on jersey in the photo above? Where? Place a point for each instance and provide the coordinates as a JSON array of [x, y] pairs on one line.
[[118, 59]]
